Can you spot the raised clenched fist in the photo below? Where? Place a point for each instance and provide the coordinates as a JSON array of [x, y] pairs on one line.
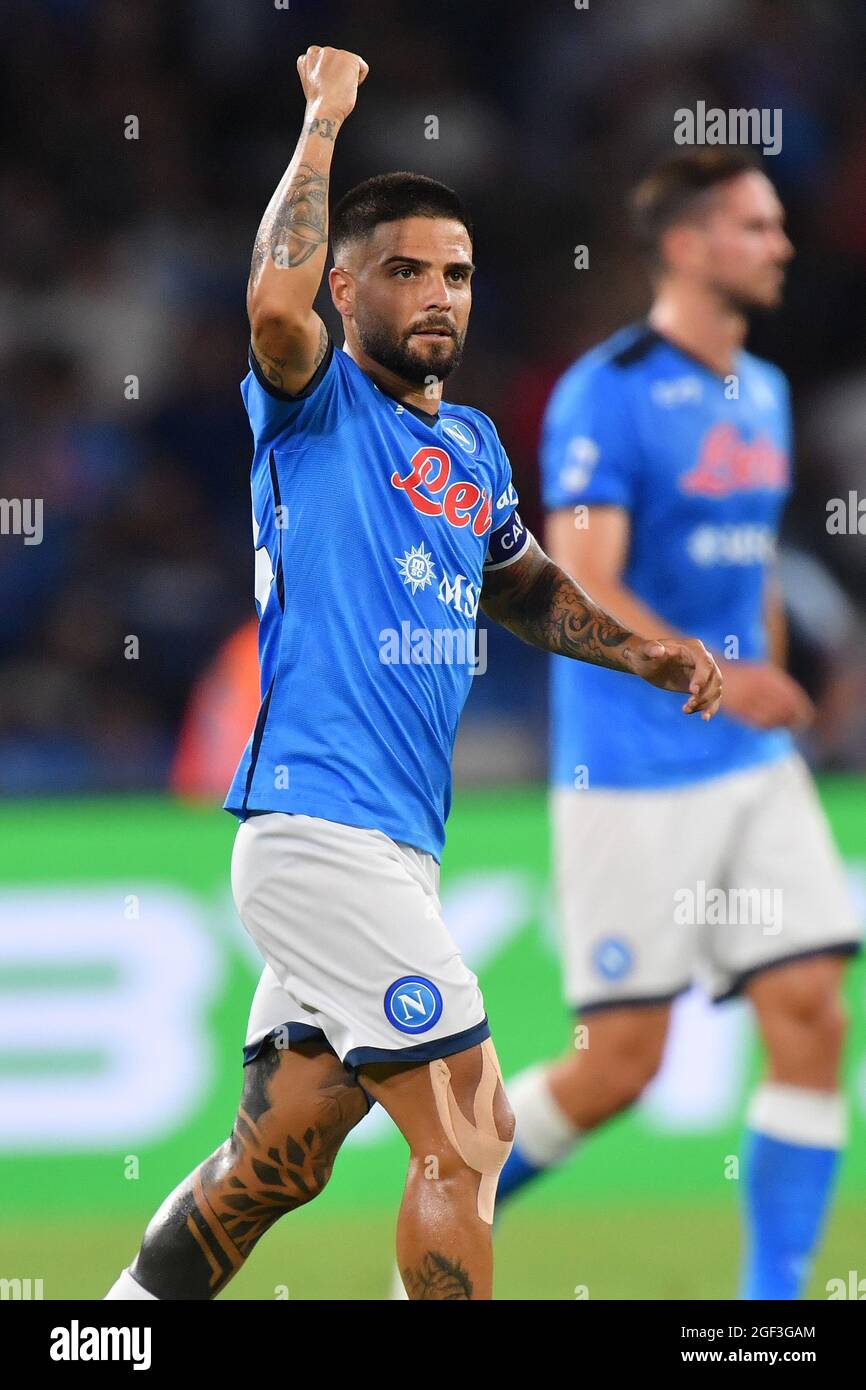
[[331, 78]]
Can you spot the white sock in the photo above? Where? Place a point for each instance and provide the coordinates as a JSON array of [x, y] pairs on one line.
[[543, 1134], [128, 1288], [798, 1115]]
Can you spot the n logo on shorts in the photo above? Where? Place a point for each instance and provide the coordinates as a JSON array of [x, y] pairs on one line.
[[413, 1004], [612, 958]]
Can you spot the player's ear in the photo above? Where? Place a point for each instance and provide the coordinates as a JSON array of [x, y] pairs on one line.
[[342, 288], [681, 247]]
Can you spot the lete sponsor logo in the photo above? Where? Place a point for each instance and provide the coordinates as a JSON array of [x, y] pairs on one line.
[[428, 489], [728, 463]]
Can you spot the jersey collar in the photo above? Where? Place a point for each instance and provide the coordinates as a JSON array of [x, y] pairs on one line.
[[684, 352], [424, 415]]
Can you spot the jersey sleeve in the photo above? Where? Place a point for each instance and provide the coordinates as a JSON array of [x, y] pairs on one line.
[[509, 537], [274, 413], [589, 447]]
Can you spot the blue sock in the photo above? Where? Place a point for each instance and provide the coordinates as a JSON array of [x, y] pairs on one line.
[[788, 1188], [544, 1135], [517, 1172]]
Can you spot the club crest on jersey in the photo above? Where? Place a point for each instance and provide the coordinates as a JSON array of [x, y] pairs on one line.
[[416, 567], [728, 463], [428, 489], [461, 432], [413, 1004]]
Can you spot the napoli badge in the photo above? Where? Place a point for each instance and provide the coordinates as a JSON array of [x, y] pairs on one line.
[[413, 1004], [612, 958], [460, 432]]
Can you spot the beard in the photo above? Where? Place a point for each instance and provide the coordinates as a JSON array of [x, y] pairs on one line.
[[411, 364], [747, 301], [753, 305]]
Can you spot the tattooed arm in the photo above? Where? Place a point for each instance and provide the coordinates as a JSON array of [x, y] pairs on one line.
[[543, 605], [289, 339]]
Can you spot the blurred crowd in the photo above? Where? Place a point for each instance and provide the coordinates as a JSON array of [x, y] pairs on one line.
[[123, 266]]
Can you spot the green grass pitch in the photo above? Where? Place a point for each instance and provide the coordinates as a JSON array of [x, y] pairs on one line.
[[641, 1252]]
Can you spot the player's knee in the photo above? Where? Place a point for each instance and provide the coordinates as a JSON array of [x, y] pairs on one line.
[[816, 1006], [631, 1061], [457, 1172], [283, 1175], [632, 1074], [470, 1140], [285, 1170], [504, 1117], [837, 1022], [474, 1128], [826, 1019], [438, 1161]]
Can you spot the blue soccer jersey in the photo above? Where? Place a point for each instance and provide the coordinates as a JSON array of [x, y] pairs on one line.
[[701, 465], [372, 525]]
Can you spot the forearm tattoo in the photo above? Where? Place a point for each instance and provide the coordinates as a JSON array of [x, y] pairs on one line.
[[324, 126], [552, 612], [295, 226], [437, 1277]]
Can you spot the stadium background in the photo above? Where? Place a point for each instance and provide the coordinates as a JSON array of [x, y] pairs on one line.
[[124, 976]]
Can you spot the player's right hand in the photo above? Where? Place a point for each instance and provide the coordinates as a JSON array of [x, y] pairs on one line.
[[681, 663], [765, 696], [330, 78]]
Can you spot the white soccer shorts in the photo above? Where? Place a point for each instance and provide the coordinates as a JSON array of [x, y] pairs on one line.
[[350, 925], [710, 882]]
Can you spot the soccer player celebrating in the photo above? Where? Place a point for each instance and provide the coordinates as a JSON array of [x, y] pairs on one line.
[[378, 518], [665, 461]]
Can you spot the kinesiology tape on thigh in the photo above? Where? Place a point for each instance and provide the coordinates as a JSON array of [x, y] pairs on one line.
[[478, 1144]]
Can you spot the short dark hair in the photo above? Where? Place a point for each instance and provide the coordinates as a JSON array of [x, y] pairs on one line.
[[389, 198], [674, 190]]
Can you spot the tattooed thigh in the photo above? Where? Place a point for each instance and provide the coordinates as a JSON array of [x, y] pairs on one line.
[[290, 1124]]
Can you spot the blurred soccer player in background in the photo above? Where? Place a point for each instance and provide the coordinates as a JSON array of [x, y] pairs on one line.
[[222, 709], [666, 464], [374, 512]]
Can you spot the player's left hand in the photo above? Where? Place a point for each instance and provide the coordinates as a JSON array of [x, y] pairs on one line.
[[680, 664]]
